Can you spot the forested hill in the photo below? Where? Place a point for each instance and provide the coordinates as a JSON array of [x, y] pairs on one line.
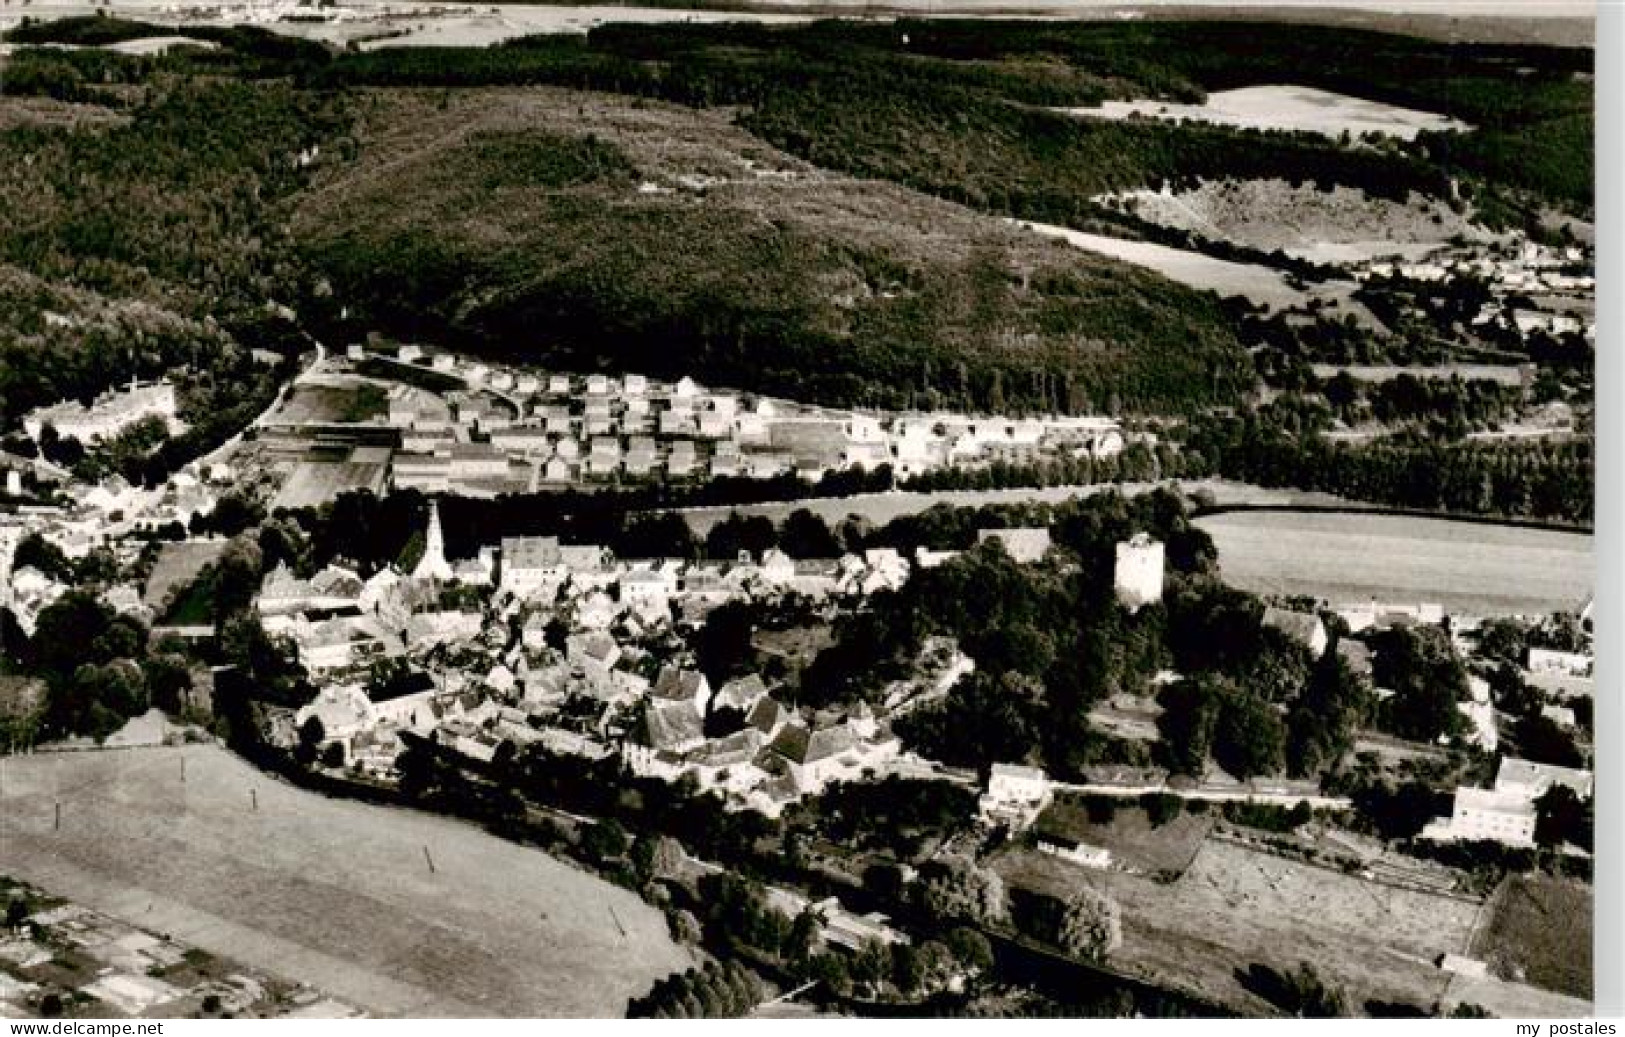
[[960, 106], [558, 226], [722, 234]]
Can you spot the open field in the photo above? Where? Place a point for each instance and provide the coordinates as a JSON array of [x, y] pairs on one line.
[[330, 404], [1348, 558], [313, 483], [334, 893], [1258, 284], [1539, 932], [1286, 107], [1235, 907]]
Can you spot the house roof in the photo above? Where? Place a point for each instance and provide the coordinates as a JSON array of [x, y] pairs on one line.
[[738, 748], [672, 725], [674, 683], [1529, 774], [798, 745], [530, 552], [1300, 626], [766, 715], [741, 693], [1015, 770], [413, 682]]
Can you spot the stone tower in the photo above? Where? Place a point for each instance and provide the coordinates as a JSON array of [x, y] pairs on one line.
[[1139, 571]]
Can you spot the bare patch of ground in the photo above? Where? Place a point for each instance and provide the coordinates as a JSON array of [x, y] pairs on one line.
[[50, 113], [1503, 374], [177, 566], [1341, 225], [328, 403]]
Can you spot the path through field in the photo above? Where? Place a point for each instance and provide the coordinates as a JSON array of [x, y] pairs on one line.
[[330, 892]]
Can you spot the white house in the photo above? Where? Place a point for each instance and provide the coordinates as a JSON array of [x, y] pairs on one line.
[[531, 565], [1078, 852], [342, 710], [1506, 813], [1015, 795], [111, 413], [1547, 661]]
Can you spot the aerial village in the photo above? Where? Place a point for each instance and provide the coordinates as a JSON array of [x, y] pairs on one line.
[[567, 645], [530, 641]]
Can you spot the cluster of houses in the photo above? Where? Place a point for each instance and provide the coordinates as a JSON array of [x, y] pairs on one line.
[[568, 647], [115, 969], [552, 654], [1557, 279], [493, 429]]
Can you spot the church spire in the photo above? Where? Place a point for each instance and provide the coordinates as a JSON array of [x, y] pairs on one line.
[[433, 564]]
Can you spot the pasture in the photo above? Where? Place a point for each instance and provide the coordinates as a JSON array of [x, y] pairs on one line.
[[881, 508], [1337, 225], [1287, 107], [1501, 374], [1259, 284], [1539, 932], [402, 913], [312, 483], [1235, 907], [1347, 558]]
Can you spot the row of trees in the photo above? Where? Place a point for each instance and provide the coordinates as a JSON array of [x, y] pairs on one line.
[[715, 991], [1278, 445]]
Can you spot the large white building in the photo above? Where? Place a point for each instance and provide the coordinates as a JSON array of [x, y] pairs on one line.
[[110, 414], [1138, 578], [1506, 813], [1015, 795]]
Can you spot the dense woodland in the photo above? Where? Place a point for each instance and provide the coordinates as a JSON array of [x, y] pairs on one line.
[[218, 141], [156, 236]]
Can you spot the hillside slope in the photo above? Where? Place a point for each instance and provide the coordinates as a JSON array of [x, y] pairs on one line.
[[592, 230]]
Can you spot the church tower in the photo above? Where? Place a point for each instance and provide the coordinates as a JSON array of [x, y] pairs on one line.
[[433, 564]]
